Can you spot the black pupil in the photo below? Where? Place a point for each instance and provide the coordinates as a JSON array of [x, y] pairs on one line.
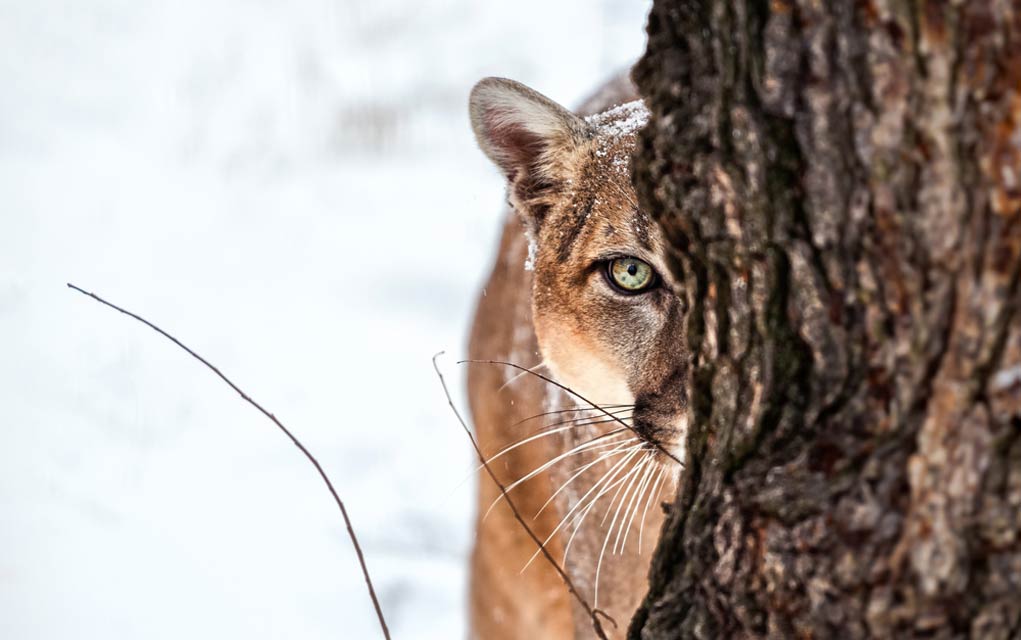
[[632, 269]]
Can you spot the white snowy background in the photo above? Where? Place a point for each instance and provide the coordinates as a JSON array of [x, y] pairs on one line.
[[292, 189]]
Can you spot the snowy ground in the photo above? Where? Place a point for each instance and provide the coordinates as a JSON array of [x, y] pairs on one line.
[[291, 188]]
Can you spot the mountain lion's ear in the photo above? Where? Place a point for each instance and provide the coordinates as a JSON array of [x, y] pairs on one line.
[[521, 130]]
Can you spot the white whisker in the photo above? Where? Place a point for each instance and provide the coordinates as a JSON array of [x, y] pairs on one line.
[[589, 444], [584, 514], [636, 501], [613, 500], [538, 436], [546, 431], [584, 468], [598, 410], [645, 511], [606, 538], [635, 484], [628, 454], [588, 421], [523, 442], [521, 374]]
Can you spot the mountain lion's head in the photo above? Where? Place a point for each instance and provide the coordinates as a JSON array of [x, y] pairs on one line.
[[607, 311]]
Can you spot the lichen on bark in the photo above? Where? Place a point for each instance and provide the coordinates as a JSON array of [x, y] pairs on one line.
[[841, 182]]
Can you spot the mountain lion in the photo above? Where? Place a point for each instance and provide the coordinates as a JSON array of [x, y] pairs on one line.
[[581, 294]]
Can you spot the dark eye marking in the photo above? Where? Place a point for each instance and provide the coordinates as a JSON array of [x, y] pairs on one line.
[[573, 226]]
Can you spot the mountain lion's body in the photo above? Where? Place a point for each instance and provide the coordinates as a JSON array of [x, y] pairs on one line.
[[581, 294]]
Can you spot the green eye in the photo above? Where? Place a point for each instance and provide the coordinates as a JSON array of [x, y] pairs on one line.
[[631, 275]]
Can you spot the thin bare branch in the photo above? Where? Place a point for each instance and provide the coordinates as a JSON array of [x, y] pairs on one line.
[[592, 613], [297, 443]]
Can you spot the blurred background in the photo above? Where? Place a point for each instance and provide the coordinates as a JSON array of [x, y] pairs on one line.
[[292, 189]]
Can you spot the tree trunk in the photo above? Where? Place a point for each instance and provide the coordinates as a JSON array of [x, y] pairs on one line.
[[842, 184]]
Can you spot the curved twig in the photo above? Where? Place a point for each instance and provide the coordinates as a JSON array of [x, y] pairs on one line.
[[297, 443]]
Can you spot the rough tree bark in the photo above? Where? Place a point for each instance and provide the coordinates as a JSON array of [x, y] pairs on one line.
[[842, 184]]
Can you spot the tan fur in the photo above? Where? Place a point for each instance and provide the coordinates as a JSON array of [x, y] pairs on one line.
[[571, 196]]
